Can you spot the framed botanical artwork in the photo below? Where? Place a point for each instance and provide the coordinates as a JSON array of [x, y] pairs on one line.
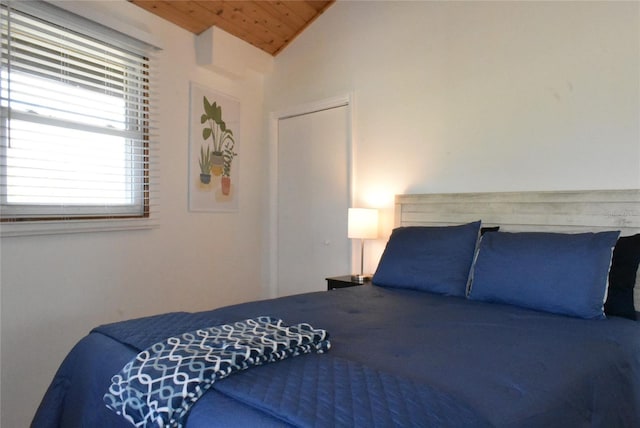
[[214, 147]]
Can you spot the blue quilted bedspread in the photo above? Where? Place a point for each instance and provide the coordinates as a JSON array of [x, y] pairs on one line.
[[398, 358], [158, 387]]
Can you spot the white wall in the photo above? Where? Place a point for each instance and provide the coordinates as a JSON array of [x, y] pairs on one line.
[[56, 288], [476, 96]]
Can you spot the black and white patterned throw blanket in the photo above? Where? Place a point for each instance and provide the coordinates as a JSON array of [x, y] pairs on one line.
[[159, 386]]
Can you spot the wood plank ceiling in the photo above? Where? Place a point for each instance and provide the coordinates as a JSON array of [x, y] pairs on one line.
[[269, 25]]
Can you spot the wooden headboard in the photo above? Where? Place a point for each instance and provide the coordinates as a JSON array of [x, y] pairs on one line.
[[562, 211], [553, 211]]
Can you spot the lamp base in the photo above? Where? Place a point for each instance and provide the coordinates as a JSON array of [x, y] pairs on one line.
[[360, 279]]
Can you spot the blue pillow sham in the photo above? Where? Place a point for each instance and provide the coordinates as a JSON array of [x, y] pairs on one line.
[[435, 259], [553, 272]]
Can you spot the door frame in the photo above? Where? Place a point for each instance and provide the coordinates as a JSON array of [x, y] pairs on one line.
[[274, 118]]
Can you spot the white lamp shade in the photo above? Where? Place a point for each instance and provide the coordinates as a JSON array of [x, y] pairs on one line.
[[363, 223]]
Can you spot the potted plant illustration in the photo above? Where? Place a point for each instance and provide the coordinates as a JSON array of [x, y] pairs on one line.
[[205, 165], [227, 157], [216, 129]]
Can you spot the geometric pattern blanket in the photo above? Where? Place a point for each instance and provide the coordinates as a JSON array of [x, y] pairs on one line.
[[158, 387]]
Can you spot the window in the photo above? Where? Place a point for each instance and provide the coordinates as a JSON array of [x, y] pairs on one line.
[[75, 118]]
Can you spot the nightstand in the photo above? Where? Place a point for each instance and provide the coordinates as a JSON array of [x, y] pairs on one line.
[[343, 281]]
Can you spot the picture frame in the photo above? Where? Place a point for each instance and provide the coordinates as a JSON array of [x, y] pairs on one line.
[[214, 147]]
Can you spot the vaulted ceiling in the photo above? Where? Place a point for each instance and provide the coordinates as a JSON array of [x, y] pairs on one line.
[[269, 25]]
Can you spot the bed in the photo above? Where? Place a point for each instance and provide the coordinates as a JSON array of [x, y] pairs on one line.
[[459, 329]]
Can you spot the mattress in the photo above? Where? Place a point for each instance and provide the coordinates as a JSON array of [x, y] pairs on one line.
[[398, 357]]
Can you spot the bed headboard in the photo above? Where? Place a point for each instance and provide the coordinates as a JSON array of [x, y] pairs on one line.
[[553, 211]]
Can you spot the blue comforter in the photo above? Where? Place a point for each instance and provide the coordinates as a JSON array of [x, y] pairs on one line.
[[398, 358], [160, 385]]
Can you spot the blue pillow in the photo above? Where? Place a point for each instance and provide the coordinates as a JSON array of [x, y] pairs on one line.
[[552, 272], [435, 259]]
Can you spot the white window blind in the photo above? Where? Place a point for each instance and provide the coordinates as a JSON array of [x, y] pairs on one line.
[[76, 120]]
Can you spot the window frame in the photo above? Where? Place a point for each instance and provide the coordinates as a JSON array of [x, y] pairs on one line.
[[20, 219]]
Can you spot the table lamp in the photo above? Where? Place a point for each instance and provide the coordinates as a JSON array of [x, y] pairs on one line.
[[362, 224]]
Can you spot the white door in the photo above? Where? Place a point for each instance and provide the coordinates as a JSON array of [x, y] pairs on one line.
[[313, 198]]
